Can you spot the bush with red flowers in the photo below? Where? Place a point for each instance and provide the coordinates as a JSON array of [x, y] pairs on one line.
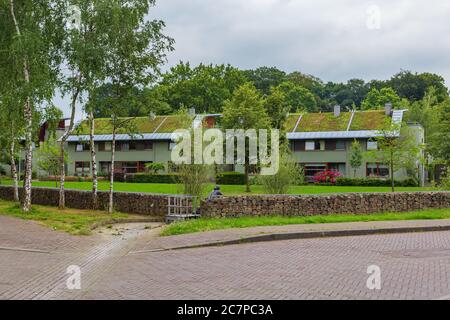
[[327, 177]]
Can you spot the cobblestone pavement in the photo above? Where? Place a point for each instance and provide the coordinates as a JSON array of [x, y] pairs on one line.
[[413, 266]]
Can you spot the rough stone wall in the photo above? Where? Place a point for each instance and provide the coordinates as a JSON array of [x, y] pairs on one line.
[[259, 205], [306, 205], [139, 203]]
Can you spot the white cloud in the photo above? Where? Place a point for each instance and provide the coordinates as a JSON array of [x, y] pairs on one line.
[[326, 38]]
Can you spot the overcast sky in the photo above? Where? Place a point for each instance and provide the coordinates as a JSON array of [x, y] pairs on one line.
[[335, 40]]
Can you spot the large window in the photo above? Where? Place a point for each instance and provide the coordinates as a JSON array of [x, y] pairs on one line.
[[130, 167], [377, 170], [80, 147], [340, 145], [372, 145], [82, 168], [312, 169], [104, 146], [315, 145], [310, 146], [105, 167]]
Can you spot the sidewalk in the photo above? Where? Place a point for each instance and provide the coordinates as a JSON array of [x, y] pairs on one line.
[[300, 231]]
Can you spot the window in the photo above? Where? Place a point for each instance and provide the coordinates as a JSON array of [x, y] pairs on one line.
[[297, 145], [105, 167], [108, 146], [80, 147], [340, 145], [124, 146], [312, 169], [132, 145], [315, 145], [82, 168], [130, 167], [377, 170], [372, 145], [310, 146], [104, 146], [148, 145]]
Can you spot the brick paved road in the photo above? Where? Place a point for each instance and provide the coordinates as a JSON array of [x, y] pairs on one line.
[[413, 266]]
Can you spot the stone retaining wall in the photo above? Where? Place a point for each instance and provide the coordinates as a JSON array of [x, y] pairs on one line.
[[306, 205], [258, 205], [127, 202]]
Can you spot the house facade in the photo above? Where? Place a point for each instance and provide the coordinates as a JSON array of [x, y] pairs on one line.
[[318, 141], [322, 141]]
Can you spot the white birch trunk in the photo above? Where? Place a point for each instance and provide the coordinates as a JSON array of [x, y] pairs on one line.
[[111, 181], [27, 112], [93, 161], [14, 171], [62, 198]]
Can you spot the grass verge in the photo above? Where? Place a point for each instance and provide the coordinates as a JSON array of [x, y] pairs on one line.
[[226, 189], [73, 221], [210, 224]]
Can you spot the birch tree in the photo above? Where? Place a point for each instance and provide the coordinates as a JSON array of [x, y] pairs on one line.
[[134, 50], [84, 55], [32, 36], [397, 147]]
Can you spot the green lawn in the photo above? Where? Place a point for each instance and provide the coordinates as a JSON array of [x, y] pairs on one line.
[[226, 189], [73, 221], [209, 224]]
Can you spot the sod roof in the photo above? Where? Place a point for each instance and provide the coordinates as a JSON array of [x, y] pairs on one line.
[[158, 124], [326, 121], [369, 120]]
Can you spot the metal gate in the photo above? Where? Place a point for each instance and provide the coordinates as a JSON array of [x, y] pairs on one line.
[[181, 207]]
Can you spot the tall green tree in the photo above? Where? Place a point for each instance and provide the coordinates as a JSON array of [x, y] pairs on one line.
[[298, 98], [413, 86], [134, 49], [32, 35], [356, 156], [277, 107], [264, 78], [397, 147], [245, 111], [376, 99]]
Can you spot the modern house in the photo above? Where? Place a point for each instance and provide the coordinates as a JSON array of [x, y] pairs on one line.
[[149, 141], [321, 141]]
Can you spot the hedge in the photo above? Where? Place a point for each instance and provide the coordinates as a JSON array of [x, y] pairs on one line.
[[153, 178], [367, 182], [230, 178]]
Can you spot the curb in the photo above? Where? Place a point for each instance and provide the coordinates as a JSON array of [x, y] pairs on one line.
[[303, 235]]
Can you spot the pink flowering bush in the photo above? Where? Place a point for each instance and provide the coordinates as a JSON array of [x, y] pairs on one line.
[[327, 176]]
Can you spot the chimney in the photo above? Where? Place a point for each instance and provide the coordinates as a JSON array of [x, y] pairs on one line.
[[337, 111], [388, 108]]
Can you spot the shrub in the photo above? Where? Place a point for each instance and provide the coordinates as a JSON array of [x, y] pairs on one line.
[[155, 167], [289, 173], [233, 178], [367, 182], [326, 177], [445, 181], [153, 178]]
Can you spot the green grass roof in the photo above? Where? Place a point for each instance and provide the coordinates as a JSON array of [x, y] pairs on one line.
[[158, 124], [368, 120], [326, 121]]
